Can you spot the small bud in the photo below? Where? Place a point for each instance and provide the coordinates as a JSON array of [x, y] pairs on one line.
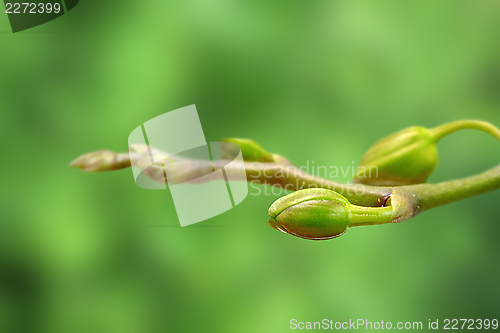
[[319, 214], [410, 156], [250, 150]]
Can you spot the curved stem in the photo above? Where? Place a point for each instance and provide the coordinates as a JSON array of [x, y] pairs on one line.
[[433, 195], [441, 131]]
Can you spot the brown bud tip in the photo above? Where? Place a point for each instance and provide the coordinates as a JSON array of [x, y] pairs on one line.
[[102, 160]]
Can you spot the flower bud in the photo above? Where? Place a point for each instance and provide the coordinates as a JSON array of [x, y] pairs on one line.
[[319, 214], [250, 150], [406, 157], [410, 156]]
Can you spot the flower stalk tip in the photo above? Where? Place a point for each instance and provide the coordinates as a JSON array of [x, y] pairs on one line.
[[102, 160]]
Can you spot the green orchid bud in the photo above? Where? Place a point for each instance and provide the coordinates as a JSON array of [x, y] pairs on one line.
[[410, 156], [251, 150], [319, 214]]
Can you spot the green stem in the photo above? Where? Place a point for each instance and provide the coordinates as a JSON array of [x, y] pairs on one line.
[[433, 195], [370, 215], [441, 131], [403, 202], [280, 174]]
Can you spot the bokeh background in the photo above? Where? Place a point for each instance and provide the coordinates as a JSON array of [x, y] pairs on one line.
[[312, 80]]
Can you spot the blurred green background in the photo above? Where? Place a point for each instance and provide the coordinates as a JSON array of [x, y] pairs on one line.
[[313, 81]]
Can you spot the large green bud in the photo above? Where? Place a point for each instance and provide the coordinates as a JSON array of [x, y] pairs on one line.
[[410, 156], [406, 157], [319, 214]]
